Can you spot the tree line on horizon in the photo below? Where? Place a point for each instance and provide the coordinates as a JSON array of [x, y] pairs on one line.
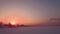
[[51, 22], [10, 25]]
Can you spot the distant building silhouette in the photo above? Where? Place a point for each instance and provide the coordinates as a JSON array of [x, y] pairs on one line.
[[54, 21]]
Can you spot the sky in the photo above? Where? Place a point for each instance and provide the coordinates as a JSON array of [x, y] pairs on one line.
[[28, 11]]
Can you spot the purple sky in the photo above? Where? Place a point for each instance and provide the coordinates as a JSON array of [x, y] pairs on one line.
[[29, 11]]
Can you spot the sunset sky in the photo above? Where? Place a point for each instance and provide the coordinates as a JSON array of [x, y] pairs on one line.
[[28, 11]]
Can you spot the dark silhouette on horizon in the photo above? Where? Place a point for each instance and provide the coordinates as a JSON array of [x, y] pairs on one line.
[[1, 23], [50, 22]]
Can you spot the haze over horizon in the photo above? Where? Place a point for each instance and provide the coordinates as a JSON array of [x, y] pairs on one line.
[[29, 11]]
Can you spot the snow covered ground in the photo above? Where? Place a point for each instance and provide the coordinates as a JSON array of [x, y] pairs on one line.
[[31, 30]]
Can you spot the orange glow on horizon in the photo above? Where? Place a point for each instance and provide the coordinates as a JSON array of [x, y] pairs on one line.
[[13, 23], [15, 19]]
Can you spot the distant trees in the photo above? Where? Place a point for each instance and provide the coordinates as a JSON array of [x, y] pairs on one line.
[[22, 25], [1, 23], [18, 25], [9, 25]]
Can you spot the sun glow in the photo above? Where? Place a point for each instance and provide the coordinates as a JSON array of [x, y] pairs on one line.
[[13, 23]]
